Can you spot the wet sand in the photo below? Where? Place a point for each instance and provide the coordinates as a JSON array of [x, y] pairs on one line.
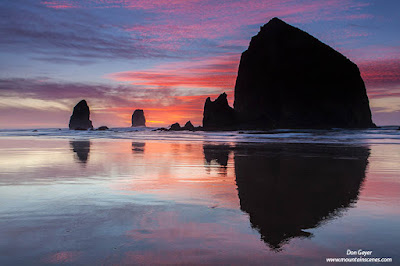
[[150, 202]]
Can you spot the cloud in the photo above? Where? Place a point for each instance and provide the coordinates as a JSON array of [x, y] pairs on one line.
[[215, 73], [47, 89], [132, 39], [82, 32], [62, 36], [380, 73]]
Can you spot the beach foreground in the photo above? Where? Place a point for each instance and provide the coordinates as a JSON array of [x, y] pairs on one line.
[[104, 201]]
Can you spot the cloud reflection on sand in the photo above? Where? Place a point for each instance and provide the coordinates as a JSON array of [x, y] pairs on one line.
[[153, 202]]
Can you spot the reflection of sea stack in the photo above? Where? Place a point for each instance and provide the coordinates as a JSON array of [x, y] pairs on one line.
[[80, 117], [81, 149], [218, 153], [138, 147], [289, 79], [138, 119], [288, 189]]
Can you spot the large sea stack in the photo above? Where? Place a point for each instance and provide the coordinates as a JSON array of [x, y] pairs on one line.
[[218, 114], [289, 79], [80, 117], [138, 119]]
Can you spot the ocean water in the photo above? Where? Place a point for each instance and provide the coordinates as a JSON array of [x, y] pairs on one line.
[[387, 135], [142, 197]]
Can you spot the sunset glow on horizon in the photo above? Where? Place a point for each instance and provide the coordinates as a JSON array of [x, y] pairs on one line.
[[166, 57]]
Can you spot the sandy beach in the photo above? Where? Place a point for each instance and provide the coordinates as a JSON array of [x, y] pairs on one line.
[[150, 202]]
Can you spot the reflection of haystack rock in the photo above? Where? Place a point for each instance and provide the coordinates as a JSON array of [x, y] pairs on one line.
[[288, 189], [138, 147], [81, 150]]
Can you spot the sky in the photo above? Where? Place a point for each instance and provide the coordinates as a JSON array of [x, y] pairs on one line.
[[168, 56]]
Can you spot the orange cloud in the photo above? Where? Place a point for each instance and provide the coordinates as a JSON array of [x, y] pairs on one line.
[[219, 72]]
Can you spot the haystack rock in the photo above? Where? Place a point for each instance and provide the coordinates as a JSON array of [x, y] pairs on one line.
[[289, 79], [80, 117], [138, 119], [218, 115]]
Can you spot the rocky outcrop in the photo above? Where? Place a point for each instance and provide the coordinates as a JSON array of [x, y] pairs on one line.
[[218, 115], [80, 117], [289, 79], [103, 128], [188, 126], [138, 119], [177, 127]]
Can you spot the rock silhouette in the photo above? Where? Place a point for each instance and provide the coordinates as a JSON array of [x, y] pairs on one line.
[[218, 115], [188, 126], [138, 119], [289, 79], [80, 117], [175, 127], [287, 189]]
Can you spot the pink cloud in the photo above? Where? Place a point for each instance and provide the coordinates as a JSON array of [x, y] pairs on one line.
[[190, 84], [218, 72], [210, 19], [382, 77], [63, 257]]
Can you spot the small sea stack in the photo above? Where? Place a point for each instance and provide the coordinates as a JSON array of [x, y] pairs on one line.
[[218, 115], [138, 119], [80, 117]]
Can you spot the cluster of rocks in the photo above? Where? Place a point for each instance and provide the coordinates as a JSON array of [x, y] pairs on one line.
[[188, 126], [286, 79], [289, 79], [177, 127], [80, 118]]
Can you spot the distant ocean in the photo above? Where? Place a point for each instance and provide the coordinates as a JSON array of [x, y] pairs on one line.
[[382, 135]]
